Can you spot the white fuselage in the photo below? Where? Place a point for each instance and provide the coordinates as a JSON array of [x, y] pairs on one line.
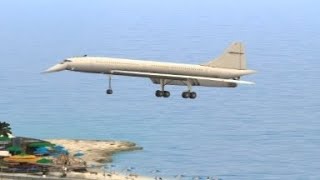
[[106, 65]]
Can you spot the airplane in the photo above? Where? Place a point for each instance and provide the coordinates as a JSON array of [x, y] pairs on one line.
[[224, 71]]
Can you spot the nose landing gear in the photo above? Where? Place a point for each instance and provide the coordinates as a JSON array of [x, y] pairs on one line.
[[109, 90]]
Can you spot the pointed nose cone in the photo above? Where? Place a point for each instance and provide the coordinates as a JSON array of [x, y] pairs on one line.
[[56, 68]]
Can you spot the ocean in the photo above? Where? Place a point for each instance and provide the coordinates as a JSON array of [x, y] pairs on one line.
[[269, 130]]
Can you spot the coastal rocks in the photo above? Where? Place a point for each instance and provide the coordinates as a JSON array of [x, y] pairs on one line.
[[65, 160]]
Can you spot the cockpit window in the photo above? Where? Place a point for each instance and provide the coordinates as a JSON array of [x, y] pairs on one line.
[[65, 61]]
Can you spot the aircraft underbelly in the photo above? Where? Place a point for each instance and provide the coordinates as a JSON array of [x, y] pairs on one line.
[[195, 82], [216, 84]]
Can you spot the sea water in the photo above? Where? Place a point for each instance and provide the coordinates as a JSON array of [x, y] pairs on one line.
[[265, 131]]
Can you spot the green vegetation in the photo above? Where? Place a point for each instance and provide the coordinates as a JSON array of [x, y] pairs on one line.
[[14, 150], [44, 161], [4, 138], [5, 129]]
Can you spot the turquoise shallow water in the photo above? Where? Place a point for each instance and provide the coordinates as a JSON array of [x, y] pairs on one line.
[[266, 131]]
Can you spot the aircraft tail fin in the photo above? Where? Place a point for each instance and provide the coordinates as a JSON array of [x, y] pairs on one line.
[[232, 58]]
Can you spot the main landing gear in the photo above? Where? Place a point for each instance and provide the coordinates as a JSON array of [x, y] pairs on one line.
[[189, 93], [162, 92], [166, 94], [109, 90]]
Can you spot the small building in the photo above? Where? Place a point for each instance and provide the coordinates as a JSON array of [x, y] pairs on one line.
[[4, 154], [4, 142]]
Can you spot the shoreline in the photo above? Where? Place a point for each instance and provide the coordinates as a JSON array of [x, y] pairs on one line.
[[95, 152]]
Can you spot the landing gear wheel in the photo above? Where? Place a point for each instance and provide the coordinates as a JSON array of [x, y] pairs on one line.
[[159, 93], [109, 91], [186, 94], [166, 94], [193, 95]]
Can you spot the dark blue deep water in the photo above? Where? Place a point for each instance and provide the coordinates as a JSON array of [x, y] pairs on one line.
[[270, 130]]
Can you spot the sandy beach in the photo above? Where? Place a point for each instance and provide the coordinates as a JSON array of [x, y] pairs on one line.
[[97, 153]]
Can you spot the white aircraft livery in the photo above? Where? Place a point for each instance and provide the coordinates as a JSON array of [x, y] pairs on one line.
[[224, 71]]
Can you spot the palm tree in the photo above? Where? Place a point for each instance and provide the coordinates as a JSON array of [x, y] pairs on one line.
[[5, 129]]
